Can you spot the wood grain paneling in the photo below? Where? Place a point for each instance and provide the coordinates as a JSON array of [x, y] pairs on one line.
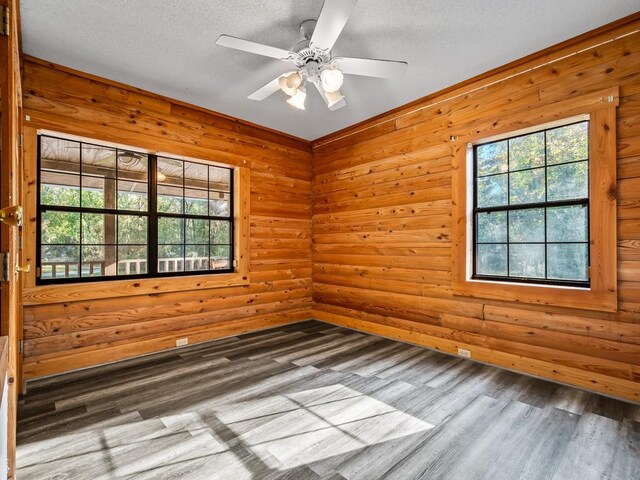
[[382, 226], [73, 326]]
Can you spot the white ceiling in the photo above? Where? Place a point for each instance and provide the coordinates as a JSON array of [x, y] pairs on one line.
[[167, 47]]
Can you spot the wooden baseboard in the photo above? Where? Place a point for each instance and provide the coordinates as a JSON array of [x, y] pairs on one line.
[[598, 383], [51, 364]]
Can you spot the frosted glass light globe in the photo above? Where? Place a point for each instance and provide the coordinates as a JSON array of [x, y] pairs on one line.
[[289, 83], [298, 99], [332, 79]]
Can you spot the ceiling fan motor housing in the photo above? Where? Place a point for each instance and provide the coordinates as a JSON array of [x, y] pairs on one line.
[[310, 61], [305, 54]]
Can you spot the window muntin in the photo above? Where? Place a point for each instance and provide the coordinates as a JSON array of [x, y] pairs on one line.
[[111, 213], [531, 207]]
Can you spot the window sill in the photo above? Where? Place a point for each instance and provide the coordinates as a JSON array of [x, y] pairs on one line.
[[559, 296], [47, 294]]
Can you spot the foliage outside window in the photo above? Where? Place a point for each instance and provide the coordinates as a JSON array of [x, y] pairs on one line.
[[531, 207], [106, 212]]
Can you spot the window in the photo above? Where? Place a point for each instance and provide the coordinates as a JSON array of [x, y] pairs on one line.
[[531, 207], [107, 213], [534, 204]]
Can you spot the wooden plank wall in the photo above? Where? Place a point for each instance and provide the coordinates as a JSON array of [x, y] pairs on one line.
[[73, 334], [382, 222]]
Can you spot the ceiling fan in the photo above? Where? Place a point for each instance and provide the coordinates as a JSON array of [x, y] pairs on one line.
[[313, 60]]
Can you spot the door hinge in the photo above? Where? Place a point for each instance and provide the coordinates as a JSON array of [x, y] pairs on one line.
[[235, 263], [20, 140], [4, 29], [4, 271], [22, 345], [38, 272]]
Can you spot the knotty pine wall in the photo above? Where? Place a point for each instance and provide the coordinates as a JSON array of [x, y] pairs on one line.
[[382, 201], [68, 334]]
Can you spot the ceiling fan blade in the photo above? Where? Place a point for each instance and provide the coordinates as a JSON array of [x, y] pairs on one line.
[[269, 89], [333, 17], [332, 106], [253, 47], [369, 67]]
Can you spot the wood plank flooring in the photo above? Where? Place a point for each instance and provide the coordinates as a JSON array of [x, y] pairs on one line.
[[315, 401]]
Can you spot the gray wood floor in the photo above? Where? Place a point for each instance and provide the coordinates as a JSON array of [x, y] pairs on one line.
[[314, 401]]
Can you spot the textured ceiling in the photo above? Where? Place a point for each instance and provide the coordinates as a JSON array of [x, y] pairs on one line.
[[167, 47]]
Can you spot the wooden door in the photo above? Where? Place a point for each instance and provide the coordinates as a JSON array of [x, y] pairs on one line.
[[10, 195]]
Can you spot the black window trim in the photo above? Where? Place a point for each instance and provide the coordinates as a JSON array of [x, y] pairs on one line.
[[525, 206], [152, 217]]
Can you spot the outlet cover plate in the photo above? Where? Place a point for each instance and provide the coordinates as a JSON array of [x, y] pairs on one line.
[[464, 353]]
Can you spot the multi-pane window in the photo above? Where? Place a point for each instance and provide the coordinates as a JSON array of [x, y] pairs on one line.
[[194, 206], [106, 212], [531, 207]]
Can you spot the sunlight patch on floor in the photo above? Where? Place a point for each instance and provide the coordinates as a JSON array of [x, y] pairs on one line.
[[155, 448], [286, 431]]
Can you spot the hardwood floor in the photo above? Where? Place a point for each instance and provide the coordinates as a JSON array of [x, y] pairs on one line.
[[315, 401]]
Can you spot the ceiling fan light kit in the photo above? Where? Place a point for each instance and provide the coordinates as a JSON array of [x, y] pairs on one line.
[[314, 61]]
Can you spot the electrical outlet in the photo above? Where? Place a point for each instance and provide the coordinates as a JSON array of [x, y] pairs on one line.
[[464, 353], [181, 342]]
